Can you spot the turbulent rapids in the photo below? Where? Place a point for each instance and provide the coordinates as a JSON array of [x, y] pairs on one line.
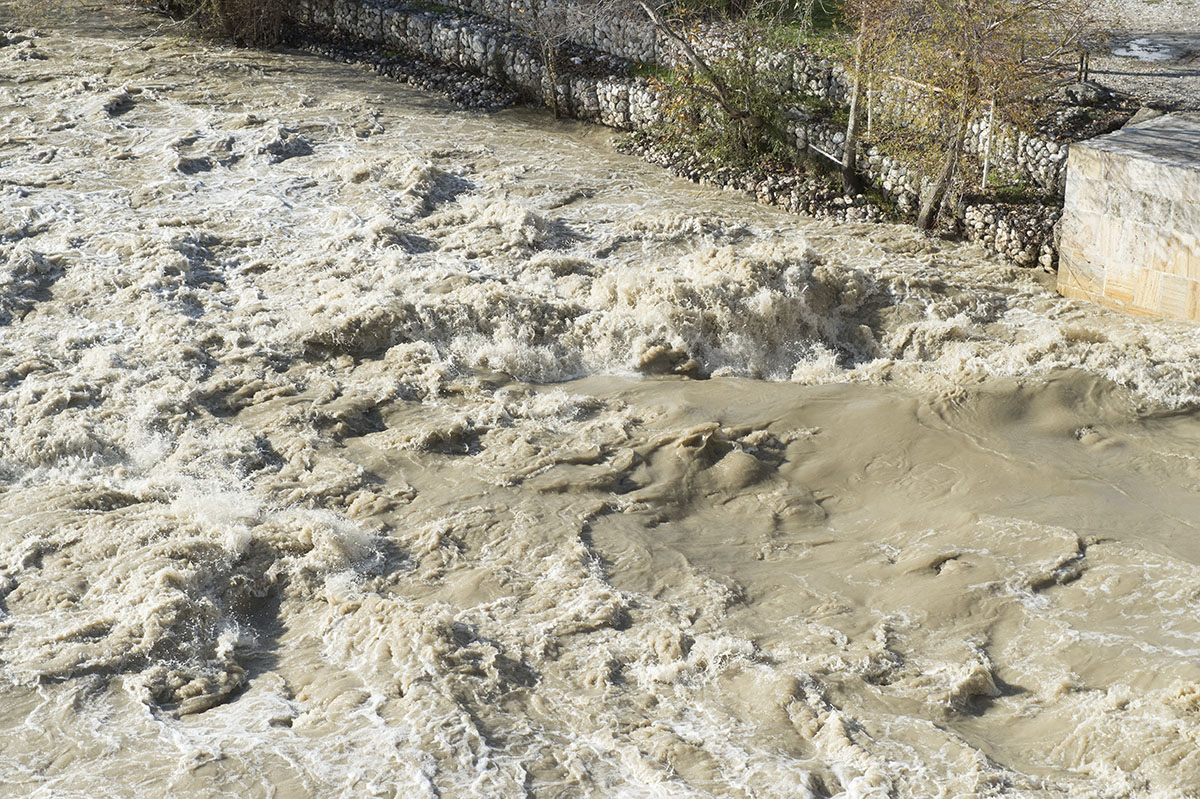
[[352, 445]]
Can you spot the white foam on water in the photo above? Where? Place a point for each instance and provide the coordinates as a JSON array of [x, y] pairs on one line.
[[288, 509]]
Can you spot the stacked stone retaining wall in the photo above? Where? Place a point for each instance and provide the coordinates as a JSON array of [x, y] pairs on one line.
[[1035, 160]]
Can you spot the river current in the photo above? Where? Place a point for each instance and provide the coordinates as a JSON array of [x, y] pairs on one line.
[[352, 445]]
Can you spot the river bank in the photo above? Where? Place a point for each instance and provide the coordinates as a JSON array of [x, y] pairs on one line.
[[352, 444]]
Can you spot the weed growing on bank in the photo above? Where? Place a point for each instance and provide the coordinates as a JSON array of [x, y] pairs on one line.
[[253, 23]]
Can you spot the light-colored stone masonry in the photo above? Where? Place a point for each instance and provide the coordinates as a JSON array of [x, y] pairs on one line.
[[1131, 220]]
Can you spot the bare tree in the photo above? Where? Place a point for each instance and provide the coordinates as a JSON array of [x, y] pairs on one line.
[[719, 60], [874, 38], [247, 22], [554, 26], [720, 91]]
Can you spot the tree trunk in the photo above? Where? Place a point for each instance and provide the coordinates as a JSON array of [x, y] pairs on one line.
[[933, 203], [724, 96], [550, 54], [851, 184]]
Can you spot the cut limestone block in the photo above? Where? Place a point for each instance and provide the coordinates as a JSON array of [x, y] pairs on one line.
[[1131, 219]]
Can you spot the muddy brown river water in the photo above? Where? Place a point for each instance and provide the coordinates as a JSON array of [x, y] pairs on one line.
[[355, 446]]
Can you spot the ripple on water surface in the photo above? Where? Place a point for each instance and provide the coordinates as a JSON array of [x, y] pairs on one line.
[[352, 445]]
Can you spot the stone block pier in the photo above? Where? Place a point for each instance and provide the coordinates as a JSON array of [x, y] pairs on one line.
[[1131, 219]]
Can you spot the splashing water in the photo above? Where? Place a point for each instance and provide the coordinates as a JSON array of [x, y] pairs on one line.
[[356, 446]]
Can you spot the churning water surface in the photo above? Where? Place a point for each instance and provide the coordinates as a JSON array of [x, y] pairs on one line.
[[355, 446]]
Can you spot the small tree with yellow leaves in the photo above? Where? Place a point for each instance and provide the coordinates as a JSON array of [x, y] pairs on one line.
[[965, 55]]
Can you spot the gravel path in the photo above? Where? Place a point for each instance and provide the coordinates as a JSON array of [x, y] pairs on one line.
[[1154, 52]]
